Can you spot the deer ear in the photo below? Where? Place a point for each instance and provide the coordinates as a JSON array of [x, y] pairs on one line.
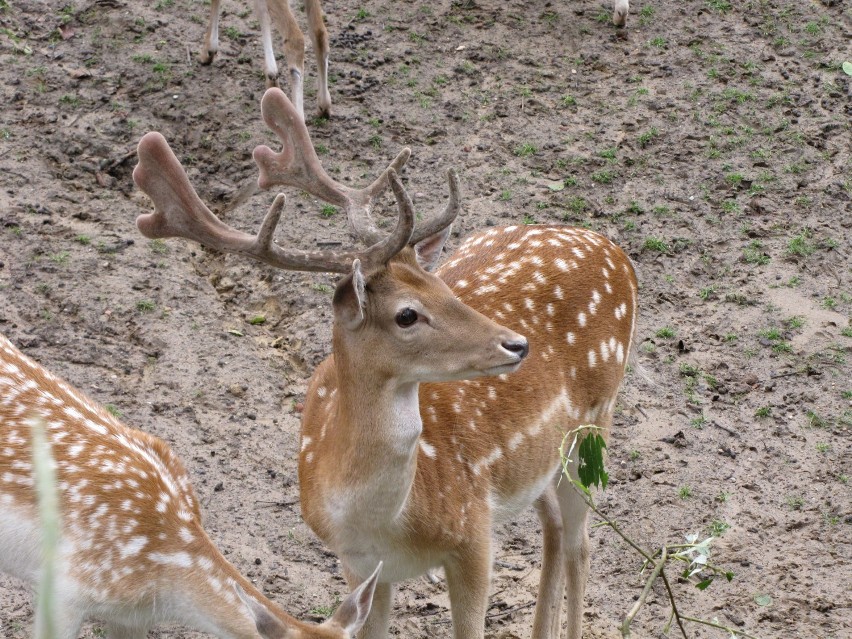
[[353, 612], [428, 250], [268, 626], [350, 297]]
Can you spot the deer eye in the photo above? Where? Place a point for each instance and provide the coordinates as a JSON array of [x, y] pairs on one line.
[[406, 317]]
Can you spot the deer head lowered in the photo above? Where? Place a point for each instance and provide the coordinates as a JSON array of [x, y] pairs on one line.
[[132, 548], [400, 462]]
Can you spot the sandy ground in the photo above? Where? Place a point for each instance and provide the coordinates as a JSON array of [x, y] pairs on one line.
[[711, 141]]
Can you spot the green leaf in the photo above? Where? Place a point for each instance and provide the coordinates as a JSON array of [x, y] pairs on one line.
[[729, 576], [234, 331], [257, 319], [847, 67], [702, 585], [556, 186], [763, 600], [591, 469]]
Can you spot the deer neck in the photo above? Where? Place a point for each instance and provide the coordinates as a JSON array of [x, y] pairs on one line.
[[377, 428]]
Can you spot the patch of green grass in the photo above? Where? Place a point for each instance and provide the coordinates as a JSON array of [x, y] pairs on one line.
[[717, 528], [361, 14], [684, 492], [795, 502], [145, 306], [829, 303], [647, 137], [655, 244], [525, 150], [846, 331], [753, 253], [763, 411], [113, 410], [505, 195], [815, 420], [707, 292], [721, 6], [659, 42], [59, 258], [328, 210], [85, 240], [796, 321], [158, 247], [608, 154], [603, 177], [568, 101], [666, 332], [634, 455], [823, 447], [698, 422]]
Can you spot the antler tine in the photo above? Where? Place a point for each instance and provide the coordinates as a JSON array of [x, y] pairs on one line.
[[297, 165], [441, 222], [179, 212]]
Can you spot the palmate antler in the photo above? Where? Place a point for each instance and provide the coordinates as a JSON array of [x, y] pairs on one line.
[[179, 212], [297, 165]]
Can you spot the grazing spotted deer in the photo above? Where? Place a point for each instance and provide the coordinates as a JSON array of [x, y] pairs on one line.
[[279, 12], [416, 439], [132, 549]]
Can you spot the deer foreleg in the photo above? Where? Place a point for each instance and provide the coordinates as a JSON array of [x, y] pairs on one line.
[[575, 548], [270, 67], [469, 580], [551, 587], [319, 38], [294, 48], [211, 38]]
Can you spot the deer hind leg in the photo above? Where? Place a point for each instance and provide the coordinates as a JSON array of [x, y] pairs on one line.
[[378, 621], [468, 581], [551, 587], [294, 48], [211, 38], [319, 38], [270, 67], [575, 548]]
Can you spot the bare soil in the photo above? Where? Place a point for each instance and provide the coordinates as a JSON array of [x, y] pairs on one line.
[[711, 141]]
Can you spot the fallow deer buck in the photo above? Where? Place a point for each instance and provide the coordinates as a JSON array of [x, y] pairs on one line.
[[279, 12], [416, 441], [132, 549]]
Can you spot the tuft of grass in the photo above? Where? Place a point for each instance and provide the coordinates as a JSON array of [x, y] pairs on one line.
[[603, 177], [753, 253], [525, 150], [647, 137], [655, 244], [145, 306], [800, 246], [684, 492], [763, 411], [328, 210], [665, 332]]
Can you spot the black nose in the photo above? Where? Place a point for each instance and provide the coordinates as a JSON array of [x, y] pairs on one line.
[[518, 346]]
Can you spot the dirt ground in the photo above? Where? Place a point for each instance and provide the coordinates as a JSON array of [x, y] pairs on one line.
[[711, 141]]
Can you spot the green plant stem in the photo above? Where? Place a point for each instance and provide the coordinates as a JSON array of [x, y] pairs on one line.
[[713, 624], [625, 625]]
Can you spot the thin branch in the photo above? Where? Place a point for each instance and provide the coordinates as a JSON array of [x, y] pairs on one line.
[[625, 625], [713, 624]]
